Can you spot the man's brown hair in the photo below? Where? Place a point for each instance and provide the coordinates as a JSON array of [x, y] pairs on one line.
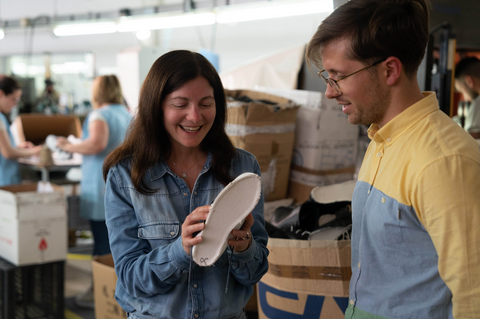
[[377, 29]]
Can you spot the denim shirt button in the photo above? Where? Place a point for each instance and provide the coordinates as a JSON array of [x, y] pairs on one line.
[[195, 286], [195, 192], [196, 315], [185, 194], [172, 233]]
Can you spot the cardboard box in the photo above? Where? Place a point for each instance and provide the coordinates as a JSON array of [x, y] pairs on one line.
[[280, 304], [267, 131], [319, 267], [36, 127], [308, 278], [33, 226], [325, 149], [104, 284]]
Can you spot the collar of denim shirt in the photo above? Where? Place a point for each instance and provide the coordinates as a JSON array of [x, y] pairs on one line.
[[159, 169]]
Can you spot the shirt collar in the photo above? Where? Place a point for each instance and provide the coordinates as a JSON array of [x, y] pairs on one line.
[[476, 101], [405, 120], [161, 168]]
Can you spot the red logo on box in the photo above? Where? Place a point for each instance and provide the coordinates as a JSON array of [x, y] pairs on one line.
[[43, 244]]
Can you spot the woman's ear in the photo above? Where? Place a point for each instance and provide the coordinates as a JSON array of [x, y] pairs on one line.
[[392, 70]]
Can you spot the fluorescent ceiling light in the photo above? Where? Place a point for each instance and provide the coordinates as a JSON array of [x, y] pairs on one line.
[[2, 34], [143, 34], [85, 28], [270, 11], [128, 24]]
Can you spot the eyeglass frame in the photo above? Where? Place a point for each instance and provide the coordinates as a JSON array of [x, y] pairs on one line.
[[339, 91]]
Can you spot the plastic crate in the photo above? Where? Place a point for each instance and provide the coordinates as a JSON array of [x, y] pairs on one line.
[[32, 292], [75, 221]]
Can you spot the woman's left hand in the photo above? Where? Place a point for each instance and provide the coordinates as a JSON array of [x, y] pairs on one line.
[[242, 238]]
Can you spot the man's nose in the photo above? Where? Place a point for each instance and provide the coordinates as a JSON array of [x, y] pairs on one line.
[[331, 93]]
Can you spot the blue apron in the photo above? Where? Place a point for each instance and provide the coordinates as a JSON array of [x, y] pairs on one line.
[[92, 184], [9, 169]]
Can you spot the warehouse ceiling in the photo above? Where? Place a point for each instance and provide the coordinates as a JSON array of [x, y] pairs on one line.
[[462, 14]]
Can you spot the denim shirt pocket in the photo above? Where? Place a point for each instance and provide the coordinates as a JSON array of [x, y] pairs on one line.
[[159, 230]]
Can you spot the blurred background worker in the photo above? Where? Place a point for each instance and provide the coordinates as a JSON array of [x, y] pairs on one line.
[[48, 102], [10, 94], [103, 130], [467, 82]]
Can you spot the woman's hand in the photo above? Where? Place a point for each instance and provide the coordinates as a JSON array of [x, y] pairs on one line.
[[61, 142], [242, 238], [36, 149], [193, 224]]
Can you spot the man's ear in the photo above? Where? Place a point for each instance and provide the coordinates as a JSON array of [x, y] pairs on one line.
[[392, 69], [469, 81]]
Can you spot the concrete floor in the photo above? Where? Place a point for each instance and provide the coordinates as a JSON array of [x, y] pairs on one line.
[[78, 278]]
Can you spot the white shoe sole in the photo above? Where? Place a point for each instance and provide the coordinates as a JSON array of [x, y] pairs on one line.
[[228, 212]]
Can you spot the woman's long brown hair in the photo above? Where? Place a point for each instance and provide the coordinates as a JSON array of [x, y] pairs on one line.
[[147, 141]]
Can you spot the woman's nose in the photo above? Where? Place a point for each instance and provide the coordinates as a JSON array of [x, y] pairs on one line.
[[194, 114]]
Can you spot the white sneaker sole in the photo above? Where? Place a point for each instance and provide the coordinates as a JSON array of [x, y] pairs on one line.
[[228, 212]]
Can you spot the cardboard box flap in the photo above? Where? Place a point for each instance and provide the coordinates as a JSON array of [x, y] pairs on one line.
[[106, 260], [259, 96], [258, 113], [27, 188], [23, 201], [36, 127]]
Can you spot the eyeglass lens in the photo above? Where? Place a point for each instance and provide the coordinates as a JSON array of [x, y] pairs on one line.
[[334, 85]]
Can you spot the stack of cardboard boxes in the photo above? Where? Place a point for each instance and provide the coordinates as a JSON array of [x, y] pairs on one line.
[[264, 125], [33, 220], [302, 141]]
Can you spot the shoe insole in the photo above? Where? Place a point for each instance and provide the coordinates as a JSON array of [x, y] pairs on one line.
[[228, 212]]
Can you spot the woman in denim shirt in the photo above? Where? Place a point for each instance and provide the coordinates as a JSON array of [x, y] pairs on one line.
[[159, 186]]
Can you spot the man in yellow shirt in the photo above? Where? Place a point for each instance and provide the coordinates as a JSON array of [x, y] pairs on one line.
[[416, 208]]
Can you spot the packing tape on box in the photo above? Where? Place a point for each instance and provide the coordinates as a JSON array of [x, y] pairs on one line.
[[242, 130], [311, 272]]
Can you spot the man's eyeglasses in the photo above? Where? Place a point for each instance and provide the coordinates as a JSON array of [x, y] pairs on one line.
[[334, 83]]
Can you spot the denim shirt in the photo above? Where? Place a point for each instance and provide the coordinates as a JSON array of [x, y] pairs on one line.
[[145, 237], [117, 118], [9, 168]]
